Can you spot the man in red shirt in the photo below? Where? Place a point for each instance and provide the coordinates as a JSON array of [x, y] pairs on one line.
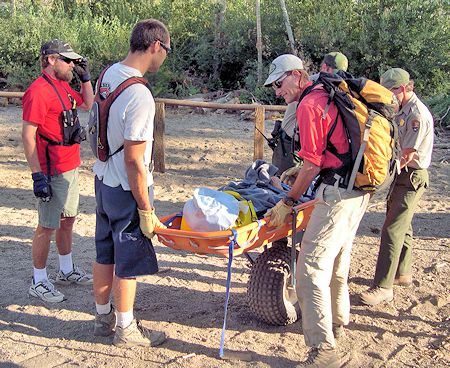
[[324, 258], [51, 134]]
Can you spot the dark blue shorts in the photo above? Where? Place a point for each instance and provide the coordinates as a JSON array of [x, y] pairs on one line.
[[118, 238]]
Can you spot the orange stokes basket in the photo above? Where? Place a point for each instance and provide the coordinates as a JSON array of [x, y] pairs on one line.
[[248, 237]]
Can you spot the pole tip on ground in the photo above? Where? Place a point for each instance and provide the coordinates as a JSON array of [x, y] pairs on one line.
[[237, 355]]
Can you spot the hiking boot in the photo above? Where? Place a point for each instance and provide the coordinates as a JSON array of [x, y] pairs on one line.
[[403, 281], [338, 331], [137, 335], [46, 291], [321, 358], [104, 323], [376, 295], [76, 276]]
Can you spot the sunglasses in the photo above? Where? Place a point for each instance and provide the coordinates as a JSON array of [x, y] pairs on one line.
[[279, 82], [165, 47], [67, 60]]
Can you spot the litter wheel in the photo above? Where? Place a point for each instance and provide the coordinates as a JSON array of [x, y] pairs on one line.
[[269, 297]]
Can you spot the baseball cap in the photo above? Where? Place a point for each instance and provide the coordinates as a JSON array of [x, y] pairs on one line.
[[394, 78], [59, 47], [336, 60], [282, 64]]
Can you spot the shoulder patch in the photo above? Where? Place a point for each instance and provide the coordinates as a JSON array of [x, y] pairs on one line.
[[415, 124], [401, 122]]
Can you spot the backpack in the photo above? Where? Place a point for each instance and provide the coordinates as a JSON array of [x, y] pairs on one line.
[[367, 110], [99, 113]]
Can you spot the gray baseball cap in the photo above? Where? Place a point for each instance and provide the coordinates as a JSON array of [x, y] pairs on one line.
[[59, 47], [282, 64]]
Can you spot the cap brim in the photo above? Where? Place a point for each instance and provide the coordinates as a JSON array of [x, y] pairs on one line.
[[71, 55], [272, 78]]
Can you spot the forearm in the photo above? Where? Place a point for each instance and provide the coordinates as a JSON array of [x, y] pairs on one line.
[[87, 93], [304, 178], [137, 178], [30, 148]]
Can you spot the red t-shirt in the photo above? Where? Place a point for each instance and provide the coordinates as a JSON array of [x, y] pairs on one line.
[[313, 130], [42, 107]]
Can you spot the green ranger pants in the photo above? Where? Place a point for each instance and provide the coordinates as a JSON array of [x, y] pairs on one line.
[[395, 256]]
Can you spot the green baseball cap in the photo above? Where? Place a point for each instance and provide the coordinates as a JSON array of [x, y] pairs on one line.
[[394, 78], [336, 60]]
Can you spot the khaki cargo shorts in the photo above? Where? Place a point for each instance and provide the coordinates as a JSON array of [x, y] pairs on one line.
[[64, 201]]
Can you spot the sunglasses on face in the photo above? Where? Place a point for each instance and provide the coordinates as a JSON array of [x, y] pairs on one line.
[[165, 47], [279, 82], [66, 60]]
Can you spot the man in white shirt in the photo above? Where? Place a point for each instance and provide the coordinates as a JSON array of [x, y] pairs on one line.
[[125, 217]]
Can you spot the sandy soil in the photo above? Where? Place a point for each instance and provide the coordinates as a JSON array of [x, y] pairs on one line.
[[186, 298]]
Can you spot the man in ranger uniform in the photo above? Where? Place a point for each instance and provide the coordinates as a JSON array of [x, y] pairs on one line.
[[416, 140]]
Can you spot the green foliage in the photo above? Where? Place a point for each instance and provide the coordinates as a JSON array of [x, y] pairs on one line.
[[440, 106], [209, 55]]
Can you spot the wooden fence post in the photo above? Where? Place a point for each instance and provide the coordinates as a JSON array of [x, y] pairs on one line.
[[158, 136], [258, 149]]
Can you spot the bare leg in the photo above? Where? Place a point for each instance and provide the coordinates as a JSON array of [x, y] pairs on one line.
[[124, 293], [64, 235], [41, 246], [103, 282]]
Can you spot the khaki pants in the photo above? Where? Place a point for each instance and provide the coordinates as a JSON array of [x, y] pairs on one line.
[[395, 256], [324, 261]]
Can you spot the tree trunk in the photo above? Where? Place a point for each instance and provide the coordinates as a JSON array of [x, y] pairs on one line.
[[218, 37], [159, 162], [258, 42], [288, 26]]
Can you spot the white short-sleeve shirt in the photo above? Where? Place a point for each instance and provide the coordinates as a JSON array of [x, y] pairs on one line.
[[131, 117]]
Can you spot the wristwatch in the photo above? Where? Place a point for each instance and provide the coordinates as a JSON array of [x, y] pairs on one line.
[[289, 201]]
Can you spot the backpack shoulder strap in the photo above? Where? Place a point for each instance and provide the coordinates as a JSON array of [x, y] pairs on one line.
[[106, 104], [121, 87], [306, 92]]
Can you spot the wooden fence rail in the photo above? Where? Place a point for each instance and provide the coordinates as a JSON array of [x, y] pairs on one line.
[[159, 146]]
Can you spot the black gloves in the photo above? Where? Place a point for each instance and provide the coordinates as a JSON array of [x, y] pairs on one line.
[[82, 69], [41, 187]]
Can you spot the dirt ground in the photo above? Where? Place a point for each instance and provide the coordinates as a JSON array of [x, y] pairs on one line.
[[186, 298]]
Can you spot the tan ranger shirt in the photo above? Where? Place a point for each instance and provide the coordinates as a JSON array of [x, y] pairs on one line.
[[290, 120], [416, 130]]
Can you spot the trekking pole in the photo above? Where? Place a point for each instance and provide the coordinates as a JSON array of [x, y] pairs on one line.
[[293, 248]]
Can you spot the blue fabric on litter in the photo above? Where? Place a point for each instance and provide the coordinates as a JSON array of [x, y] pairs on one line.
[[256, 187], [259, 172]]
